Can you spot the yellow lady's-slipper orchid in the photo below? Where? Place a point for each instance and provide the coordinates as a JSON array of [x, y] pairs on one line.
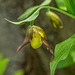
[[55, 20], [36, 36]]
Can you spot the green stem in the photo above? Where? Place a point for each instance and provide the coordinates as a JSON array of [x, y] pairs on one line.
[[47, 9], [59, 11], [31, 23]]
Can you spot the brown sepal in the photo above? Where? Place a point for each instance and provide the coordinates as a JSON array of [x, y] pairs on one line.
[[45, 42], [26, 41]]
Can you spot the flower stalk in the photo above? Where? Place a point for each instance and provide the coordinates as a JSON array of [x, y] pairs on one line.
[[32, 23]]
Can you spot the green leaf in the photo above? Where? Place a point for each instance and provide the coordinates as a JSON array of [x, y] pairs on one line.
[[36, 13], [17, 23], [3, 64], [31, 10], [31, 18], [70, 5], [62, 51], [61, 4], [69, 60], [46, 2], [19, 72], [65, 63], [72, 53], [28, 12]]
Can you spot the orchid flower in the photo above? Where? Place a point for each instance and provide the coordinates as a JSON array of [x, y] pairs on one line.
[[36, 37], [55, 20]]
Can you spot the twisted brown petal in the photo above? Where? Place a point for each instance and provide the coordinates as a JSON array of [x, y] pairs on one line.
[[26, 41], [45, 42]]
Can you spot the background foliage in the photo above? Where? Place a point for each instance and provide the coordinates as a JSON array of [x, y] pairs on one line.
[[3, 64]]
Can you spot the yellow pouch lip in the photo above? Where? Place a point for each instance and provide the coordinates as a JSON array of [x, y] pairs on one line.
[[36, 41]]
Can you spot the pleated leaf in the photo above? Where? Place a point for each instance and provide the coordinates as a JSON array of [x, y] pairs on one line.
[[28, 12], [62, 50], [70, 4], [61, 4], [31, 10], [69, 60], [65, 63], [31, 18]]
